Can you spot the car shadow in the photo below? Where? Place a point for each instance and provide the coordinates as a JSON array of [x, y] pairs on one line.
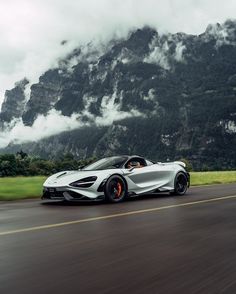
[[146, 197], [149, 197], [71, 203]]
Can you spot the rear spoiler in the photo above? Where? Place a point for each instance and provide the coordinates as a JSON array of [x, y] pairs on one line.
[[181, 163]]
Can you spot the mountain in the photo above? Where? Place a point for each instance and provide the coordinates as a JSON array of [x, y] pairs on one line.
[[165, 96]]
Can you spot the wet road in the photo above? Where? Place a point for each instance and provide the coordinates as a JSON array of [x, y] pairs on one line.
[[157, 244]]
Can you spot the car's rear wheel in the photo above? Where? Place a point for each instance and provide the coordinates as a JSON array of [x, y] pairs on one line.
[[115, 189], [181, 184]]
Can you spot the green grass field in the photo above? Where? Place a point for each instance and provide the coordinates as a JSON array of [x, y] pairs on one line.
[[21, 187], [31, 187], [213, 177]]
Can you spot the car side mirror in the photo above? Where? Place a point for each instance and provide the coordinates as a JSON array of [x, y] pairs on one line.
[[128, 171]]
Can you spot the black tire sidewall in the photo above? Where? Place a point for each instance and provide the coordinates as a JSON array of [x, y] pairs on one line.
[[176, 178], [106, 191]]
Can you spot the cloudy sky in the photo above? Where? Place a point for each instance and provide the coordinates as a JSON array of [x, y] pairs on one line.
[[31, 30]]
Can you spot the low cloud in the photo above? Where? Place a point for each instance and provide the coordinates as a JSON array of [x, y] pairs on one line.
[[31, 42], [223, 34], [32, 31], [161, 52], [43, 126], [111, 111], [54, 123], [159, 55], [179, 50]]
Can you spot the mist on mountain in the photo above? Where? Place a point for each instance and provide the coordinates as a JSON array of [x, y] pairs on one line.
[[165, 96]]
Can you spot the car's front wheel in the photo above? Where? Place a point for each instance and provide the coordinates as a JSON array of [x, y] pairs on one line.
[[115, 189], [181, 184]]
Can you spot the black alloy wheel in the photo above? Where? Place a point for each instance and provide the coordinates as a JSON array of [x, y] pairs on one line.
[[181, 184], [115, 189]]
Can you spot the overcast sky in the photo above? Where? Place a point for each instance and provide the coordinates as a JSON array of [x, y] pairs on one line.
[[31, 30]]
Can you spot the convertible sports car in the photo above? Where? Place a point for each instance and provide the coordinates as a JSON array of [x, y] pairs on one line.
[[116, 178]]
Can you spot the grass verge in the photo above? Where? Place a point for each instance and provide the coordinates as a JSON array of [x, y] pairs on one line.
[[21, 187], [31, 187], [213, 177]]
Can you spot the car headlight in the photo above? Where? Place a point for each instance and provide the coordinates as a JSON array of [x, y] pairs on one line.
[[84, 183]]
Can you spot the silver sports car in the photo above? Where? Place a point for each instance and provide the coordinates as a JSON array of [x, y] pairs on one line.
[[116, 178]]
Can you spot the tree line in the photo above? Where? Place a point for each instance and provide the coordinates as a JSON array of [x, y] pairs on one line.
[[21, 164]]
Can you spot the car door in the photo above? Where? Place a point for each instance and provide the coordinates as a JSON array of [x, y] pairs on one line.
[[149, 177]]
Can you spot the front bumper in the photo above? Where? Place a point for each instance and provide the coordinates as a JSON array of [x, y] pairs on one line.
[[58, 194]]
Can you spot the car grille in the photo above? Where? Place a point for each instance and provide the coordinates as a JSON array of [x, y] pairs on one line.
[[77, 196], [51, 193]]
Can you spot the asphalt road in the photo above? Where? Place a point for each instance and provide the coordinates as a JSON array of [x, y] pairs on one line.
[[157, 244]]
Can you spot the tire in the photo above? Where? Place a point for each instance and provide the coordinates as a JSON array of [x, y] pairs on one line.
[[115, 189], [181, 184]]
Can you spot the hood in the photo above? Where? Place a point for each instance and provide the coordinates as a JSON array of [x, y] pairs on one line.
[[66, 177]]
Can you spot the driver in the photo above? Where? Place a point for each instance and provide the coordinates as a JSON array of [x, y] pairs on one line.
[[134, 164]]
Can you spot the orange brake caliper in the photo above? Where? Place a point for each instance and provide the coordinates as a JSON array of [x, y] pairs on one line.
[[119, 190]]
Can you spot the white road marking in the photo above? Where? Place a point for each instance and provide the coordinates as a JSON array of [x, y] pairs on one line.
[[135, 212]]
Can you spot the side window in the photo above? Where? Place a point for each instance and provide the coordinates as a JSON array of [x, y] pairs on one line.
[[136, 163]]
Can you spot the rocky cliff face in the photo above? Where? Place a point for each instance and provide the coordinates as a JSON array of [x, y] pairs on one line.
[[14, 103], [43, 97], [163, 96]]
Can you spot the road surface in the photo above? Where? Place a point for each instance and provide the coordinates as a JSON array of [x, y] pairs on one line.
[[158, 244]]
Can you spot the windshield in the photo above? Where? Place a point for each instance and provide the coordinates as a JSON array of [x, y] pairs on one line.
[[107, 163]]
